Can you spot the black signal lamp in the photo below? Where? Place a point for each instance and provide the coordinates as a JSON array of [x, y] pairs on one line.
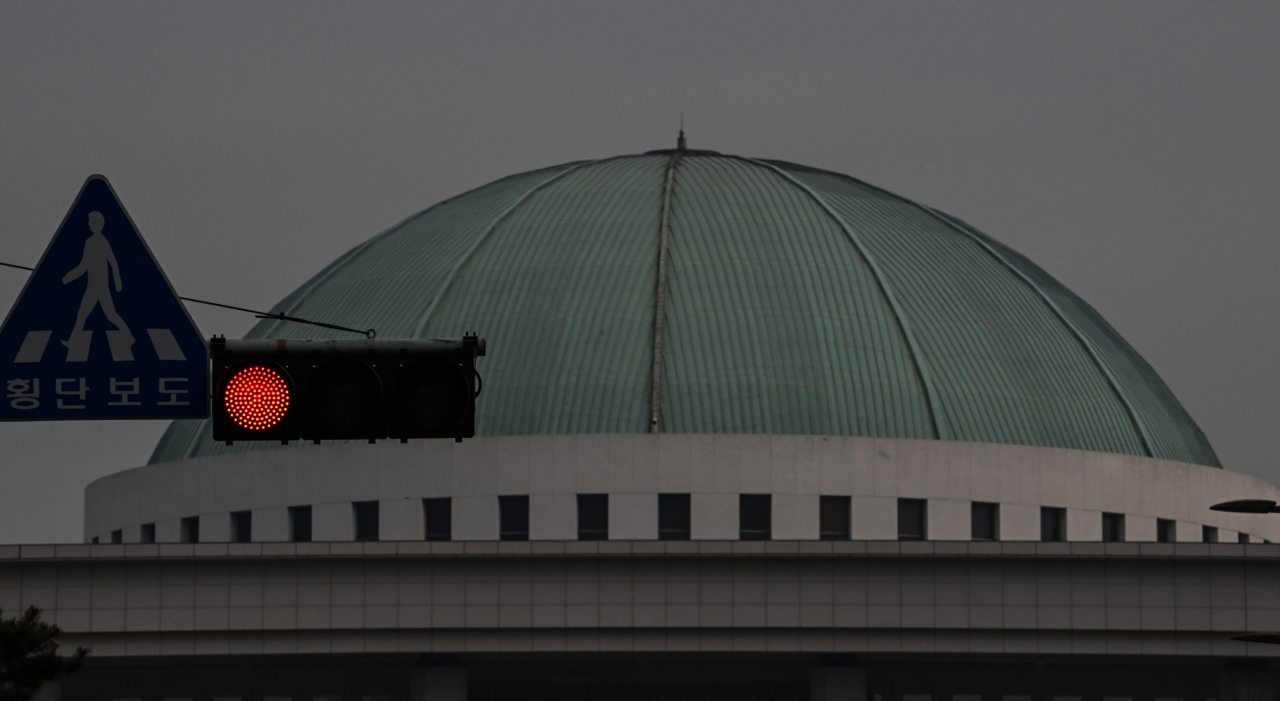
[[341, 390]]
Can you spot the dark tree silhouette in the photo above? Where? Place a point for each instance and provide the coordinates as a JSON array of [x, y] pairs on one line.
[[29, 655]]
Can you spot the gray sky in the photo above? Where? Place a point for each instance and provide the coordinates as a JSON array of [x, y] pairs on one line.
[[1131, 149]]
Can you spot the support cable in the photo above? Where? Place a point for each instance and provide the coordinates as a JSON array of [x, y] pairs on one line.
[[368, 333]]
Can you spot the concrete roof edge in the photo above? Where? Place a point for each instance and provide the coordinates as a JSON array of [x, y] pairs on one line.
[[773, 549]]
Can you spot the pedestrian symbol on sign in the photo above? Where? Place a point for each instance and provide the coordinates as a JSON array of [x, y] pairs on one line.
[[94, 264]]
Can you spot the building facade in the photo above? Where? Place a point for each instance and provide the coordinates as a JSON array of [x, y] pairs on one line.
[[658, 619], [750, 430]]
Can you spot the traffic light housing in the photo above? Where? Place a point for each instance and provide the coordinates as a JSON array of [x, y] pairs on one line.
[[283, 389]]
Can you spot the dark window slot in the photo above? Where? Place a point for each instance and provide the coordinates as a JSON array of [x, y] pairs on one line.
[[438, 517], [674, 517], [189, 529], [755, 516], [1166, 530], [242, 527], [833, 518], [1112, 528], [513, 517], [148, 533], [1209, 534], [912, 519], [985, 521], [593, 517], [1053, 524], [366, 514], [300, 524]]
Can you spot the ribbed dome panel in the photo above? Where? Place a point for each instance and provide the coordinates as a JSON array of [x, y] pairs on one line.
[[1006, 369], [566, 281], [776, 324], [797, 301]]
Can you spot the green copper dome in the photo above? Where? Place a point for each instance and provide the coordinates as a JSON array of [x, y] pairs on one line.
[[690, 292]]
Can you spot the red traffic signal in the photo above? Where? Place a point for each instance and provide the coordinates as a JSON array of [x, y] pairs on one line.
[[340, 390], [256, 397]]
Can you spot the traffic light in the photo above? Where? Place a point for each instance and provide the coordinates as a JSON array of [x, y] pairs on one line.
[[267, 390]]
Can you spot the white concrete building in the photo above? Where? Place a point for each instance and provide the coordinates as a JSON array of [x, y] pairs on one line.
[[1025, 485], [749, 431]]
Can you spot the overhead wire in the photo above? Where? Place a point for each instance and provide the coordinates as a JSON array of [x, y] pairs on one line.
[[368, 333]]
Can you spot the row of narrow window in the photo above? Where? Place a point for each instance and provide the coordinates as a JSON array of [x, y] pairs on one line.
[[912, 519], [755, 521]]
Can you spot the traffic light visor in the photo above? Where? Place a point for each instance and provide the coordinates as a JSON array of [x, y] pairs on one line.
[[344, 398], [432, 397]]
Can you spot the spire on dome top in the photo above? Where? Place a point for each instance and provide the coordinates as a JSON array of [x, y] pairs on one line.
[[680, 143]]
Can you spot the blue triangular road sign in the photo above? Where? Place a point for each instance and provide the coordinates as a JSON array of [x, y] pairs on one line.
[[98, 332]]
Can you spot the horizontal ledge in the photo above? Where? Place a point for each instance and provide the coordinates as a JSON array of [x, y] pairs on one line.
[[636, 548], [953, 643]]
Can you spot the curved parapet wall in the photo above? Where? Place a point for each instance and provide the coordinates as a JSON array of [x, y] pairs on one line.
[[633, 469]]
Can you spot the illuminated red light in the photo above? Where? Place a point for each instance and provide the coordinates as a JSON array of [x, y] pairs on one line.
[[257, 398]]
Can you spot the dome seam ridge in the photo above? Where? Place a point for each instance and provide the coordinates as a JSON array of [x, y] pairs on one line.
[[941, 429], [447, 284], [1075, 331], [660, 296]]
